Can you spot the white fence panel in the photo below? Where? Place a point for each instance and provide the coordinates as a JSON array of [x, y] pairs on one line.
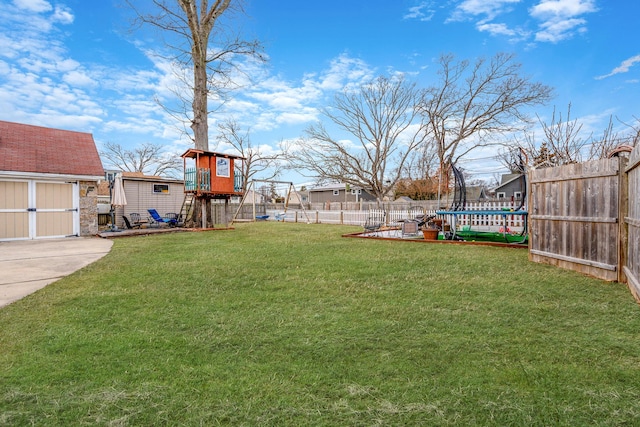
[[395, 217]]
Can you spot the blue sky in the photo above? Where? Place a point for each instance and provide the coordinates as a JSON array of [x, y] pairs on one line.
[[75, 64]]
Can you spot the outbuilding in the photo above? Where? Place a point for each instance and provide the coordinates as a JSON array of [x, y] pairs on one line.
[[48, 182], [144, 192]]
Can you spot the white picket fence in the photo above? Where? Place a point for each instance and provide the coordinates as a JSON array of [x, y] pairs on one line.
[[480, 222]]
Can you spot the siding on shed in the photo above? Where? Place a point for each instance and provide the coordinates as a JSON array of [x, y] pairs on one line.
[[140, 197]]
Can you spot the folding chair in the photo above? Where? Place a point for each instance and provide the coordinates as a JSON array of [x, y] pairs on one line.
[[136, 220], [172, 216], [374, 223], [128, 223], [410, 228], [155, 216]]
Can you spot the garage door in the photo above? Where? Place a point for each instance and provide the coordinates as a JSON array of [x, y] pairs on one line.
[[32, 209], [14, 214], [54, 209]]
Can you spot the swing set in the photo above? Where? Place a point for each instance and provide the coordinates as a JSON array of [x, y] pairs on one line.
[[251, 192]]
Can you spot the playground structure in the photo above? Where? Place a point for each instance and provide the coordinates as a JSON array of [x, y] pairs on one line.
[[251, 190], [495, 224], [209, 175], [458, 209]]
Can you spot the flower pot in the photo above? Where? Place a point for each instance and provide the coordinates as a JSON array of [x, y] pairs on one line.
[[430, 234]]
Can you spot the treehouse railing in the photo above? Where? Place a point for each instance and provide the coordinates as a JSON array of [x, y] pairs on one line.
[[238, 181], [197, 179]]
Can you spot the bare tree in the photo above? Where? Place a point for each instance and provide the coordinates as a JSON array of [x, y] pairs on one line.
[[601, 147], [514, 159], [382, 118], [257, 162], [206, 45], [147, 158], [563, 142], [473, 105], [562, 138]]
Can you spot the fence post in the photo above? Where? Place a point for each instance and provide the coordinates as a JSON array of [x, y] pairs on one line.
[[623, 209], [341, 217]]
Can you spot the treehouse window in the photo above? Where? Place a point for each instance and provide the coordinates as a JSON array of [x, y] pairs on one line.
[[222, 167]]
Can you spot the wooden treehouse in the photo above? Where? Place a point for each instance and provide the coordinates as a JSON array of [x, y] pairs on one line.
[[210, 175]]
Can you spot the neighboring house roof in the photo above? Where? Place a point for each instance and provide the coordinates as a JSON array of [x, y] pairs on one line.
[[509, 177], [327, 187], [476, 192], [35, 149], [403, 199], [506, 179], [331, 187]]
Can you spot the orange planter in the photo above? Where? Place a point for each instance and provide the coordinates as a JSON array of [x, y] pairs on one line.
[[430, 234]]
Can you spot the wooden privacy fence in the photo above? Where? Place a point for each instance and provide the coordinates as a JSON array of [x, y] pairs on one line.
[[585, 217], [631, 240]]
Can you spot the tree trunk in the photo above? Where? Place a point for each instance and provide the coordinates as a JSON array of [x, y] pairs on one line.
[[200, 125]]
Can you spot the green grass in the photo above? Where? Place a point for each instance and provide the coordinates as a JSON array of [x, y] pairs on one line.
[[290, 324]]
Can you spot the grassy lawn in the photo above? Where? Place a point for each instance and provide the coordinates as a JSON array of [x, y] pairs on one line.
[[290, 324]]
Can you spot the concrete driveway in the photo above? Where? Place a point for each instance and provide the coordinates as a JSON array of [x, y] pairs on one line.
[[29, 265]]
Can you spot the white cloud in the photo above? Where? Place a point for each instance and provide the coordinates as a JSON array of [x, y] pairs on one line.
[[306, 115], [78, 78], [500, 29], [63, 15], [345, 72], [422, 12], [562, 8], [488, 8], [561, 19], [558, 19], [273, 101], [37, 6], [624, 67], [557, 30]]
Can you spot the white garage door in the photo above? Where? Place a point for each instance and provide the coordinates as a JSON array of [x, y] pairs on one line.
[[34, 209]]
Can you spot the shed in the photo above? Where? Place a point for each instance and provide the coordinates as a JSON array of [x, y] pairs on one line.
[[145, 192], [48, 182]]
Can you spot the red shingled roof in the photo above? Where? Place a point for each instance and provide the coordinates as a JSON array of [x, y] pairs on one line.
[[27, 148]]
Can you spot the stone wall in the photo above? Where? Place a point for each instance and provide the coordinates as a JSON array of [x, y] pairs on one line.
[[88, 208]]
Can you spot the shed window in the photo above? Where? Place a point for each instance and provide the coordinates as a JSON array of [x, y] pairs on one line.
[[336, 192], [517, 195], [160, 188], [501, 195]]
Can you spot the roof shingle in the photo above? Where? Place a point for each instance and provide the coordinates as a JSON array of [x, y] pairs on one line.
[[28, 148]]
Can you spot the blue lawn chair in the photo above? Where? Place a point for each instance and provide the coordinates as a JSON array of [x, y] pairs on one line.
[[172, 222]]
